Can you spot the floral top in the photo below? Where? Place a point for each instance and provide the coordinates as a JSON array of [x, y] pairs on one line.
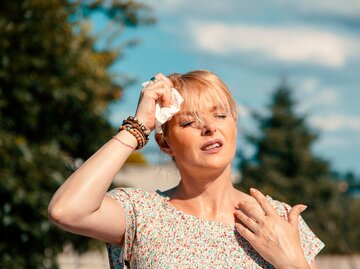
[[157, 235]]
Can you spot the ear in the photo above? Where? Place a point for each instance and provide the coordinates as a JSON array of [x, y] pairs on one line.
[[163, 145]]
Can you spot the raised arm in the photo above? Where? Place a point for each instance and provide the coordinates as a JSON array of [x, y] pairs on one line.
[[81, 205]]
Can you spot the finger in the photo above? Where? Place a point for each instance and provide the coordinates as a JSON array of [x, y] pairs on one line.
[[154, 94], [294, 214], [159, 91], [244, 232], [164, 78], [263, 202], [165, 97], [248, 221], [156, 84], [157, 78], [161, 95], [252, 209], [151, 81]]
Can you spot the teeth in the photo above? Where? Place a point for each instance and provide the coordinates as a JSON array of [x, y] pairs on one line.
[[212, 146]]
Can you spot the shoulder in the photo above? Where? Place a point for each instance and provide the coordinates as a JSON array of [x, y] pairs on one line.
[[131, 192], [280, 207], [135, 196]]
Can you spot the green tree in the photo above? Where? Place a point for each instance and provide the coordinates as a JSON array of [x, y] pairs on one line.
[[54, 91], [285, 167]]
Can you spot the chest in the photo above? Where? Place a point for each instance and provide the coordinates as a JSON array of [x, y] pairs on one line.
[[180, 242]]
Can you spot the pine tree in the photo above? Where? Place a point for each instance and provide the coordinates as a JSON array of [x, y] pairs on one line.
[[285, 167], [54, 91]]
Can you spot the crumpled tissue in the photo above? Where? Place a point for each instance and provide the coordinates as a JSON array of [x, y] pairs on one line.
[[164, 114]]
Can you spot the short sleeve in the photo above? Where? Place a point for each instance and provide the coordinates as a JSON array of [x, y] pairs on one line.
[[120, 256], [310, 243]]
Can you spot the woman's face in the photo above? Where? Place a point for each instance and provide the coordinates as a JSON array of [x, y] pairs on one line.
[[207, 141]]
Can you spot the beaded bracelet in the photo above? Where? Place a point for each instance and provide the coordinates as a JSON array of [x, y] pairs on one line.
[[139, 138], [134, 122], [137, 129]]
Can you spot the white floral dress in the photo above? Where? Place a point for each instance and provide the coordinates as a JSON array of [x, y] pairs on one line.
[[158, 235]]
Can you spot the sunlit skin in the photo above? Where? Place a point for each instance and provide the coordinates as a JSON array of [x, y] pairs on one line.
[[203, 151], [189, 134]]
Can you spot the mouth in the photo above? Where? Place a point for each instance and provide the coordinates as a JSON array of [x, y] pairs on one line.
[[210, 145]]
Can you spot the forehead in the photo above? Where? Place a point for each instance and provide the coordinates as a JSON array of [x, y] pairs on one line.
[[209, 109], [201, 100]]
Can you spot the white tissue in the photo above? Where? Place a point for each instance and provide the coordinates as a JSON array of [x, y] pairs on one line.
[[164, 114]]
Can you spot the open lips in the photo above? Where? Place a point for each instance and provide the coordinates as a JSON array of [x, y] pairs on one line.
[[212, 145]]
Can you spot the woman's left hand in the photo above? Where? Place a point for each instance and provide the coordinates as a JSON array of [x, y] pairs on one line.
[[277, 240]]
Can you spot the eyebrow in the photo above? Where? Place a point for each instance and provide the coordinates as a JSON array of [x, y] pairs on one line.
[[191, 113]]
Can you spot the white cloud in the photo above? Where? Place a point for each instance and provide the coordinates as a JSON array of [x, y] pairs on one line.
[[336, 122], [288, 44]]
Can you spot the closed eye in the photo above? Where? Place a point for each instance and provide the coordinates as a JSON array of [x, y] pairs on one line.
[[185, 124], [222, 116]]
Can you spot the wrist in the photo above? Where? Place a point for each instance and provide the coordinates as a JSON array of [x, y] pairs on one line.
[[127, 138], [137, 129], [304, 265]]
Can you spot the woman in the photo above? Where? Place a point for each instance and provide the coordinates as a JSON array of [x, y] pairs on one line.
[[204, 222]]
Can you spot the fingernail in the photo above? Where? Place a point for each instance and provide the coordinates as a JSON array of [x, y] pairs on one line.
[[253, 190], [303, 208]]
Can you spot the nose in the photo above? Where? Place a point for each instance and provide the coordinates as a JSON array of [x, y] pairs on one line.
[[208, 128]]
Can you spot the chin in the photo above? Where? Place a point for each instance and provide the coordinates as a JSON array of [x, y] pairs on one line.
[[216, 163]]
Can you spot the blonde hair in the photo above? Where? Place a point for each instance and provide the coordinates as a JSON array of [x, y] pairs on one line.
[[199, 88]]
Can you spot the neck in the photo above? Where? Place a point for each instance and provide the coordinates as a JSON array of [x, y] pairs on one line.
[[208, 194]]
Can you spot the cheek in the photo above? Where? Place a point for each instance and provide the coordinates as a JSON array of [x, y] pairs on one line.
[[181, 142], [232, 133], [233, 127]]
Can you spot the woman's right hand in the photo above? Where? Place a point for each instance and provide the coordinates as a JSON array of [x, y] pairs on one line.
[[156, 91]]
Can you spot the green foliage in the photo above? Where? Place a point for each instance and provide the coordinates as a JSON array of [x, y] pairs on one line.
[[54, 91], [352, 221], [285, 167]]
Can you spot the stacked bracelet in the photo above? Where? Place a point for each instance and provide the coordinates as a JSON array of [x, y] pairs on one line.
[[136, 134], [137, 129]]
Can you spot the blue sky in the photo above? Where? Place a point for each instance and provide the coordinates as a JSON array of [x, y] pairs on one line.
[[251, 45]]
